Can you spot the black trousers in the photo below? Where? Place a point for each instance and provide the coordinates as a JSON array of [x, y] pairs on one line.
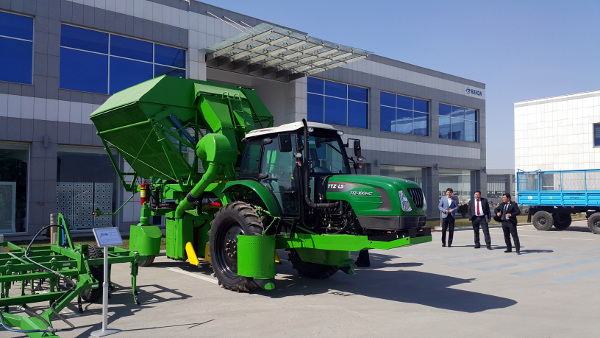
[[510, 229], [448, 224], [481, 221]]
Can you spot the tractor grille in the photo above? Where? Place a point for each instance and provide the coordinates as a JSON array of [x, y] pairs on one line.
[[417, 196]]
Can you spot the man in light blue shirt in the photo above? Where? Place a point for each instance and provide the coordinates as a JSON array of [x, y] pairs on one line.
[[448, 206]]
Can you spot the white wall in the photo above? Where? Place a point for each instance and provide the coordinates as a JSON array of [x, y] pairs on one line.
[[557, 133]]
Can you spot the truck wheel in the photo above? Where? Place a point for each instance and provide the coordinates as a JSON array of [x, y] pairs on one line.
[[542, 220], [594, 223], [562, 221], [311, 270], [97, 271], [148, 261], [233, 219]]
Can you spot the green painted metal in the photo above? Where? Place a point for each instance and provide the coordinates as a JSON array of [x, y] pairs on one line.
[[145, 239], [344, 242], [256, 256], [252, 188], [137, 121], [53, 264], [371, 202]]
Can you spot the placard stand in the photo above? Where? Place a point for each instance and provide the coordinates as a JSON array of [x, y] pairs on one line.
[[106, 237]]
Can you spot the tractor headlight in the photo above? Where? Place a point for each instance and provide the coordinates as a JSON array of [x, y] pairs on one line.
[[404, 201], [424, 203]]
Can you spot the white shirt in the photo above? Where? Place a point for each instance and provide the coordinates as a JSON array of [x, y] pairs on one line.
[[478, 211]]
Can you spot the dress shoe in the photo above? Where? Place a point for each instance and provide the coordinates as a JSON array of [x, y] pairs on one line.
[[477, 246], [443, 245], [508, 250], [489, 247], [449, 245], [518, 252]]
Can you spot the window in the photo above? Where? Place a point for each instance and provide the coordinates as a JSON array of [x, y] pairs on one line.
[[104, 63], [16, 48], [14, 160], [404, 114], [596, 134], [337, 103], [458, 123]]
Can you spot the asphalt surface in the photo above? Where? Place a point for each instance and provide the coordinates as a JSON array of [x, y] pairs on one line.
[[550, 290]]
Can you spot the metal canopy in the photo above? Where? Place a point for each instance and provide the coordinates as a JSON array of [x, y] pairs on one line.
[[274, 52]]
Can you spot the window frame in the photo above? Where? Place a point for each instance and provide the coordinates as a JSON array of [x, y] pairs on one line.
[[412, 110], [154, 64], [460, 117], [594, 132], [323, 95], [22, 39]]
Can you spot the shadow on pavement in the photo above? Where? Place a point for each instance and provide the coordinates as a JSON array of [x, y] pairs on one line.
[[396, 285]]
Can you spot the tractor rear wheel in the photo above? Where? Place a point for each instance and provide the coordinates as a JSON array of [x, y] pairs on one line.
[[97, 271], [542, 220], [562, 221], [233, 219], [311, 270]]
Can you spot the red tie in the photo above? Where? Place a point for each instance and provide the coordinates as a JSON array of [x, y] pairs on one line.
[[478, 212]]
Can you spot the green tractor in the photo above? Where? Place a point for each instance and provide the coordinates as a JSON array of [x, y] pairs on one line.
[[234, 189]]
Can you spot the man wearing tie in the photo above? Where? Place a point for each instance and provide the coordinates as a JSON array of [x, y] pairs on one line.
[[448, 206], [507, 213], [479, 210]]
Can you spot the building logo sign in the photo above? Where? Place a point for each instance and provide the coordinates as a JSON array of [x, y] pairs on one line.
[[476, 92]]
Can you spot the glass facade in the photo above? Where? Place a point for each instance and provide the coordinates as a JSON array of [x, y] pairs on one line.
[[85, 182], [16, 48], [596, 134], [457, 179], [458, 123], [414, 174], [337, 103], [104, 63], [404, 114], [14, 160]]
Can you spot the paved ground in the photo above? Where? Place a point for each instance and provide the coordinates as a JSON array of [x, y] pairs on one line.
[[550, 290]]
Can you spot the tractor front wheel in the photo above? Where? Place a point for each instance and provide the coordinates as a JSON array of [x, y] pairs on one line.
[[233, 219]]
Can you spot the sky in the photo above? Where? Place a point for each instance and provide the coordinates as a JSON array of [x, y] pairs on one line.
[[521, 50]]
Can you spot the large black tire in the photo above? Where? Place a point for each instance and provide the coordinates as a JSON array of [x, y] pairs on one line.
[[542, 220], [233, 219], [594, 223], [97, 271], [148, 261], [311, 270], [562, 221]]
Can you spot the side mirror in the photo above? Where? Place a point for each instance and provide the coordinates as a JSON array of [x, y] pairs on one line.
[[285, 143], [357, 148]]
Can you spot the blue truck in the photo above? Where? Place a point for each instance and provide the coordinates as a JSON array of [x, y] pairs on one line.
[[553, 196]]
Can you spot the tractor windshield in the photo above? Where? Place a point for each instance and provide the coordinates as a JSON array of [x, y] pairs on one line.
[[327, 155]]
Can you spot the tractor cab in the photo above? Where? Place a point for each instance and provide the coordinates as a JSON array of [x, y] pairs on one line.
[[276, 158]]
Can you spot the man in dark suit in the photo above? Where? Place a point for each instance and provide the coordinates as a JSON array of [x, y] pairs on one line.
[[448, 206], [479, 210], [507, 213]]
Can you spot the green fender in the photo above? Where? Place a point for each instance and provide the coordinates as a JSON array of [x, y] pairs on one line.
[[254, 188]]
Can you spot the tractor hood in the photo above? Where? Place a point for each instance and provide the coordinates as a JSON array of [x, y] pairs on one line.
[[376, 200]]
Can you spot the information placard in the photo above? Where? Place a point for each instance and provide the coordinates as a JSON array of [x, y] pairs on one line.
[[108, 236]]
